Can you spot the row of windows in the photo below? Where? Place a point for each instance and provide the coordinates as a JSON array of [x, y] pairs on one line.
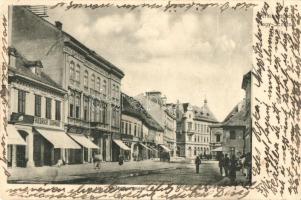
[[197, 138], [95, 83], [201, 128], [115, 117], [127, 126], [198, 150], [93, 111], [38, 106], [115, 93]]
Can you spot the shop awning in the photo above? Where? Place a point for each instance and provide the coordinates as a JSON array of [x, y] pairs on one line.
[[59, 139], [165, 147], [82, 140], [145, 146], [14, 138], [218, 149], [153, 149], [122, 145]]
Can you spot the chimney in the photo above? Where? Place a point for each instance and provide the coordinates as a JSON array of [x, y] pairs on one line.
[[59, 25]]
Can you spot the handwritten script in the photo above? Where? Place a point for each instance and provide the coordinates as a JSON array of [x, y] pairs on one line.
[[276, 116], [169, 7]]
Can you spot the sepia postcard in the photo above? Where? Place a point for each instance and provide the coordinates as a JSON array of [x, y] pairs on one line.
[[105, 99]]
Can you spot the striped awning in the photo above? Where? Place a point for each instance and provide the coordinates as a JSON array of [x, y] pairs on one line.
[[165, 147], [14, 138], [59, 139], [82, 140], [145, 146], [122, 145]]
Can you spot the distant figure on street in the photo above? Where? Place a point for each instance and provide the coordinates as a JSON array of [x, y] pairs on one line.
[[221, 163], [226, 164], [97, 160], [197, 164], [247, 165], [120, 159], [233, 166]]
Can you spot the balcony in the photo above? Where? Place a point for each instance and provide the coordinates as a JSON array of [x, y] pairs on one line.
[[126, 136], [78, 122], [190, 131], [35, 121], [99, 125]]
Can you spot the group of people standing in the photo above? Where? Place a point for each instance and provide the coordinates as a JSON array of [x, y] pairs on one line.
[[229, 166]]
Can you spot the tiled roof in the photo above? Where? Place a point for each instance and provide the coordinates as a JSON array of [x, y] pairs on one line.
[[133, 107], [22, 69], [238, 116], [203, 113]]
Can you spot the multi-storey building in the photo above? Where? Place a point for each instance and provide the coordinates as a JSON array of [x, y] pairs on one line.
[[36, 105], [236, 128], [139, 131], [156, 106], [193, 133], [92, 107]]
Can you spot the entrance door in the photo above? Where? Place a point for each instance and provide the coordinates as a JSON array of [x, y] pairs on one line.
[[104, 149]]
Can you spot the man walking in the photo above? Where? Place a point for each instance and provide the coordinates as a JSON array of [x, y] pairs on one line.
[[226, 165], [197, 164]]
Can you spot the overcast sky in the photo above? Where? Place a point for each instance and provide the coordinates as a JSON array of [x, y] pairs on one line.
[[185, 55]]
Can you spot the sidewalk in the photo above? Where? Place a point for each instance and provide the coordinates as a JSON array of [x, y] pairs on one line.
[[240, 180], [72, 172]]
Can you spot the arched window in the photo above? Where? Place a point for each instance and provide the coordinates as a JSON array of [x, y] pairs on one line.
[[104, 88], [97, 84], [86, 79], [93, 81], [77, 73], [71, 71], [117, 93]]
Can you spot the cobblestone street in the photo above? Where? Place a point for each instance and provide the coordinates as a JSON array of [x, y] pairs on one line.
[[143, 172]]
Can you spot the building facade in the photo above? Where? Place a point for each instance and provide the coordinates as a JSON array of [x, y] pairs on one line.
[[164, 114], [236, 127], [139, 130], [193, 132], [36, 113], [92, 108]]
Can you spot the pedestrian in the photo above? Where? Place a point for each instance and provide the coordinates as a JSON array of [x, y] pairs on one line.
[[120, 159], [221, 163], [197, 164], [226, 164], [242, 164], [97, 160], [233, 167], [247, 165]]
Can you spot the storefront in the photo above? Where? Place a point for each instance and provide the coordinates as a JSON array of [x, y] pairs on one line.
[[120, 148], [16, 147], [86, 144], [54, 146]]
